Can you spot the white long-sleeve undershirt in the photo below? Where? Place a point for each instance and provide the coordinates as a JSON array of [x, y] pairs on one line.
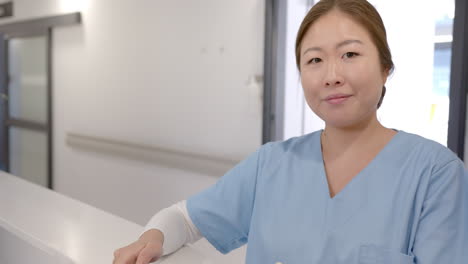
[[176, 225]]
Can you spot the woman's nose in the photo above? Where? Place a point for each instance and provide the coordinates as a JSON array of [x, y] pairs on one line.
[[333, 83], [333, 76]]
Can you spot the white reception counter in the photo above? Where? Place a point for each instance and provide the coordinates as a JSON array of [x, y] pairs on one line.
[[40, 226]]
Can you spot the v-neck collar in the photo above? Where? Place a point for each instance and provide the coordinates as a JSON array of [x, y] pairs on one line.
[[355, 194], [360, 173]]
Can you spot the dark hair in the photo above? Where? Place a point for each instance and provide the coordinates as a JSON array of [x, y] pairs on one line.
[[363, 13]]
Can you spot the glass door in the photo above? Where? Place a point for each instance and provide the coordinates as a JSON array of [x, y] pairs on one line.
[[26, 111]]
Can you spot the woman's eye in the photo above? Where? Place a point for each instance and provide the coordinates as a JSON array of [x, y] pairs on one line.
[[314, 60], [350, 54]]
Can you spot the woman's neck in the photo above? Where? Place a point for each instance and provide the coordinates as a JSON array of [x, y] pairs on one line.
[[335, 140]]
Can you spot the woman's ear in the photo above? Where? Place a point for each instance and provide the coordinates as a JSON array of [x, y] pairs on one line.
[[385, 74]]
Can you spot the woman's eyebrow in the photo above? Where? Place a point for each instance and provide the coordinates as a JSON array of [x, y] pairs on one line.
[[339, 45], [347, 42]]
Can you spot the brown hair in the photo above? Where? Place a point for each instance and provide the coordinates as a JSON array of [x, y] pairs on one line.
[[363, 13]]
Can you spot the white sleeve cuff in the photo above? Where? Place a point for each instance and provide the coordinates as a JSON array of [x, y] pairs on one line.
[[175, 223]]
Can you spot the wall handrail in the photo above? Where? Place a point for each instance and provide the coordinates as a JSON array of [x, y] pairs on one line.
[[166, 157]]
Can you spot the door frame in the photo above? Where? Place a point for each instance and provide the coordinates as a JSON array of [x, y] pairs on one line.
[[458, 81], [4, 157], [273, 70], [22, 29], [10, 122]]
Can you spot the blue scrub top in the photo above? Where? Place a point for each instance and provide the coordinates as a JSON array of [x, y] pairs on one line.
[[406, 206]]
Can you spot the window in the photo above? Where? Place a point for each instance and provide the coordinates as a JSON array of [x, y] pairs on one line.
[[417, 99]]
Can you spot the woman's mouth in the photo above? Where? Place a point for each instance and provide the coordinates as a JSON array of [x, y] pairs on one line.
[[336, 99]]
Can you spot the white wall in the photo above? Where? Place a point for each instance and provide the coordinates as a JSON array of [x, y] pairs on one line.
[[174, 74], [183, 68]]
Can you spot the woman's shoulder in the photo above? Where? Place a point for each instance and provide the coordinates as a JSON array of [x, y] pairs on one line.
[[426, 149], [294, 144], [292, 148]]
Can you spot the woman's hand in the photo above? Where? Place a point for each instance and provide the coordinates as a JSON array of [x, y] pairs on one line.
[[146, 249]]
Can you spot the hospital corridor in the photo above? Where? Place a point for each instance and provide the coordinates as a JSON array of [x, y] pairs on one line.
[[224, 128]]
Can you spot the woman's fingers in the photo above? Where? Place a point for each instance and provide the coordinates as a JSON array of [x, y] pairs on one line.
[[143, 251], [128, 254], [151, 252]]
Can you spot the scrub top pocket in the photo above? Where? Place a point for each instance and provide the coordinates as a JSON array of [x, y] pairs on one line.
[[373, 254]]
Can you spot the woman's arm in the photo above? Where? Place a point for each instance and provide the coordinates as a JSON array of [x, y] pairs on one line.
[[177, 227], [442, 228], [166, 232]]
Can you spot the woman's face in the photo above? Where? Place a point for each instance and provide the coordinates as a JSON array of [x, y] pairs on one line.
[[340, 71]]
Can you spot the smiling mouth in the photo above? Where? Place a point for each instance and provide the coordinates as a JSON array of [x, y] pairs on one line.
[[337, 99]]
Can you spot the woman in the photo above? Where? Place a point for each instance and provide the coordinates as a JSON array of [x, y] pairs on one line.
[[356, 192]]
